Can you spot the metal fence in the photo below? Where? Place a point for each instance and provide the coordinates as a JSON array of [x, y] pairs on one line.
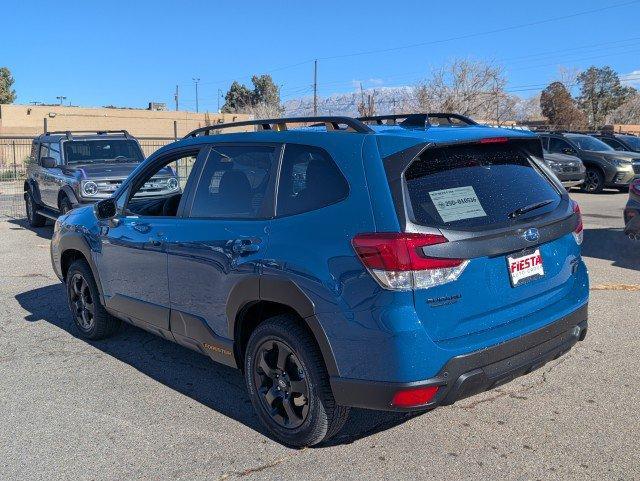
[[14, 154]]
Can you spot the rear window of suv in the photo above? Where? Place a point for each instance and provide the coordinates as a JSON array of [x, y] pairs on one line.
[[469, 186]]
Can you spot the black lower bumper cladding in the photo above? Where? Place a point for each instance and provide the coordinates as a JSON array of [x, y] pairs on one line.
[[472, 373]]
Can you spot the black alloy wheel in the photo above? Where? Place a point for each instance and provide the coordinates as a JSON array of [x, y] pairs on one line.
[[593, 181], [282, 385], [81, 302]]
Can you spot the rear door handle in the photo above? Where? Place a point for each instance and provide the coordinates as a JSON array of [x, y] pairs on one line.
[[246, 246]]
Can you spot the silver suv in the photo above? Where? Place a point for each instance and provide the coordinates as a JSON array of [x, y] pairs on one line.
[[68, 169]]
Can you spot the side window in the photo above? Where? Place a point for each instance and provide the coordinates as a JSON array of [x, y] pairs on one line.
[[309, 180], [54, 151], [34, 155], [159, 191], [545, 142], [44, 152], [234, 182], [613, 143], [556, 146]]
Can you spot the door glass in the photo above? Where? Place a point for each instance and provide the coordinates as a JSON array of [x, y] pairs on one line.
[[54, 151], [44, 152], [234, 182], [159, 192], [309, 180], [545, 142], [557, 145]]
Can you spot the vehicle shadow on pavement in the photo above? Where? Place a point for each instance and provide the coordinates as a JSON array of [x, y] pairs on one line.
[[612, 245], [45, 232], [218, 387]]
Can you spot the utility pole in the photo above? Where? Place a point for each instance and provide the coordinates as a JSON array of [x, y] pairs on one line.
[[61, 98], [315, 87], [176, 97], [196, 80], [219, 97]]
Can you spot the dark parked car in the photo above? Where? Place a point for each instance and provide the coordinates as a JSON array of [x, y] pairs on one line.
[[393, 267], [69, 169], [632, 211], [568, 168], [605, 167], [622, 142]]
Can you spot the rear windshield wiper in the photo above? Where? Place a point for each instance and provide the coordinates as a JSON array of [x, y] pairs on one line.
[[528, 208]]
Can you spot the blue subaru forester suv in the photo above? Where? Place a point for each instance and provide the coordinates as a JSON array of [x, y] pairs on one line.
[[391, 263]]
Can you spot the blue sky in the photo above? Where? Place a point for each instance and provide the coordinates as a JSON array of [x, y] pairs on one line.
[[129, 53]]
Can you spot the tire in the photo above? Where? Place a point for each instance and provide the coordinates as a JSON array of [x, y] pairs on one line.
[[65, 205], [272, 383], [593, 181], [89, 315], [34, 219]]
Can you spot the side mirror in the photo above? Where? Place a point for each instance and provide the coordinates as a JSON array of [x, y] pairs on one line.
[[105, 209], [48, 162]]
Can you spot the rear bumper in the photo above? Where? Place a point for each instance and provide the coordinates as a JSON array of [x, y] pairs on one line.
[[469, 374]]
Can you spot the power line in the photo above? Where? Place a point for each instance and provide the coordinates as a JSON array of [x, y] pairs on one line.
[[479, 34], [434, 42]]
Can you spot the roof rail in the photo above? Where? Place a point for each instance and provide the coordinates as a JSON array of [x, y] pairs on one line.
[[69, 133], [331, 122], [418, 120]]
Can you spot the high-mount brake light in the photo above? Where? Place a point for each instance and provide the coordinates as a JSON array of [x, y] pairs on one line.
[[493, 140], [396, 260], [578, 232]]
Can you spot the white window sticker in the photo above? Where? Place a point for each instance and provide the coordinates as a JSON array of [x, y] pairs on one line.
[[457, 203]]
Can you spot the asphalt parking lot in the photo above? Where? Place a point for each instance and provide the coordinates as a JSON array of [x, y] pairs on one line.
[[138, 407]]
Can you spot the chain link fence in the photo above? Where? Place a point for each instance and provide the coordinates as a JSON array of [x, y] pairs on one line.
[[14, 155]]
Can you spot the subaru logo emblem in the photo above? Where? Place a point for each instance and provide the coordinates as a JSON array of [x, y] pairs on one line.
[[531, 234]]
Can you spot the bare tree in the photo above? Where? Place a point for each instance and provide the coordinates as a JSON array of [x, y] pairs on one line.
[[528, 109], [568, 76], [264, 110], [467, 87], [367, 105], [627, 113]]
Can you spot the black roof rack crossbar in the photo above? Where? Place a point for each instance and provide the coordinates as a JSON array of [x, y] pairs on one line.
[[331, 122], [418, 120], [69, 133]]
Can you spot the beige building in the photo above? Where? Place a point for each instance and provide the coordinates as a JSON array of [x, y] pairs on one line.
[[29, 120]]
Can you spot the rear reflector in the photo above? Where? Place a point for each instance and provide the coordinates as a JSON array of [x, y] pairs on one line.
[[578, 232], [414, 397], [397, 262]]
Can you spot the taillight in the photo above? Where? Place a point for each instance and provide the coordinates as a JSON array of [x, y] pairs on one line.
[[578, 232], [414, 397], [396, 260], [635, 186]]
